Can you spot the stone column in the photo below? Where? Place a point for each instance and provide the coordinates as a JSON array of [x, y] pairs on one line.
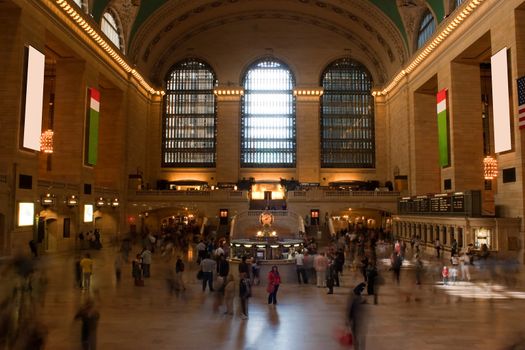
[[425, 175], [466, 131], [69, 120], [228, 136], [308, 137]]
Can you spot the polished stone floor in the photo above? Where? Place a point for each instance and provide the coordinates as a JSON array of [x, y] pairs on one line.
[[467, 315]]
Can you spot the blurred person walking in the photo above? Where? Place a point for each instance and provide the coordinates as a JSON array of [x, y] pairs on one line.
[[299, 267], [87, 270], [89, 317], [207, 267], [419, 269], [146, 262], [136, 271], [119, 261], [357, 317], [464, 262], [244, 294], [437, 245], [179, 269], [444, 275], [229, 294], [320, 266], [274, 280]]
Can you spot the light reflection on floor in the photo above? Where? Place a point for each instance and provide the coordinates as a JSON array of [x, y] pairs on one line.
[[480, 290]]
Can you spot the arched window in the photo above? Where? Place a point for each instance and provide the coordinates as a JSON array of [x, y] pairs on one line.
[[347, 116], [426, 29], [458, 3], [189, 116], [268, 116], [82, 4], [111, 29]]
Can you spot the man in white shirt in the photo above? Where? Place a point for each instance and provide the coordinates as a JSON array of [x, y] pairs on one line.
[[219, 251], [201, 250], [146, 262], [299, 264], [208, 266]]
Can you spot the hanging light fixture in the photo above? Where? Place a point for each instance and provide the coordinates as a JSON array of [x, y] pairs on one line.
[[46, 141], [490, 168]]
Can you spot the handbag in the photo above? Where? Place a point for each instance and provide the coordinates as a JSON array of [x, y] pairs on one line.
[[345, 338], [200, 275], [270, 288]]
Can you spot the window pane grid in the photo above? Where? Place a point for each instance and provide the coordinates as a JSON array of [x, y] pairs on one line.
[[268, 117], [347, 117], [189, 129], [110, 28], [426, 29]]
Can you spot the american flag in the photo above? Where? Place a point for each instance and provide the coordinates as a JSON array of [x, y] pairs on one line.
[[521, 102]]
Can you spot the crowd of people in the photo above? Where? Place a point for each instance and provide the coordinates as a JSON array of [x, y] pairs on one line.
[[356, 252]]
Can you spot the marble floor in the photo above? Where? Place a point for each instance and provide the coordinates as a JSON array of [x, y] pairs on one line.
[[467, 315]]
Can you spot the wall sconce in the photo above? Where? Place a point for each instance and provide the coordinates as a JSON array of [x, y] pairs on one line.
[[115, 203], [47, 200], [72, 201], [490, 168], [46, 141], [100, 202]]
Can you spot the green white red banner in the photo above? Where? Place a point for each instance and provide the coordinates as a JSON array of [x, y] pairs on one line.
[[92, 124], [442, 120]]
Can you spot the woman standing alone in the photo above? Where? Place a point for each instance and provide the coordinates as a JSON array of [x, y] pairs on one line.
[[274, 280]]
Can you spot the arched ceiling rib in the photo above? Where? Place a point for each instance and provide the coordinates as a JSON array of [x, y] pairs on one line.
[[356, 47], [358, 24], [148, 7]]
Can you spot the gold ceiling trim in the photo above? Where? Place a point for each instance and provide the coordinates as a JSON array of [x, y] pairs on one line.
[[77, 21], [453, 24]]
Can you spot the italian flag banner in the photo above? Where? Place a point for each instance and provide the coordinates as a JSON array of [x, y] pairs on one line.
[[92, 126], [442, 127]]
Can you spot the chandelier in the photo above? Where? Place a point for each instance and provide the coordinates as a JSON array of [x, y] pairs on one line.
[[46, 141], [490, 168]]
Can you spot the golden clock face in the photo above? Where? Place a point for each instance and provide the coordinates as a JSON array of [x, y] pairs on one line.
[[266, 218]]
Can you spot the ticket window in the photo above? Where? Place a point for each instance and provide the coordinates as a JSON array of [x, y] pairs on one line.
[[314, 217], [223, 216]]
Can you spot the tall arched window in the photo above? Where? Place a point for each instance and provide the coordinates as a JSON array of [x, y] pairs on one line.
[[268, 116], [189, 116], [458, 3], [110, 27], [426, 29], [83, 4], [347, 116]]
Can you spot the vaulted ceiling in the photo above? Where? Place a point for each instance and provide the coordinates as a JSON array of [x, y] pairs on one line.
[[378, 33]]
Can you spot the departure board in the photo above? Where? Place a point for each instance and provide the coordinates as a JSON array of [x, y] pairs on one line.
[[458, 203]]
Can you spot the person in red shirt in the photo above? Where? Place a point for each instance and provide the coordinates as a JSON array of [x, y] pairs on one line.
[[274, 280], [444, 274]]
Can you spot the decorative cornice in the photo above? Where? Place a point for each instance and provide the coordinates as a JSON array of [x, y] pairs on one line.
[[449, 26], [86, 31]]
